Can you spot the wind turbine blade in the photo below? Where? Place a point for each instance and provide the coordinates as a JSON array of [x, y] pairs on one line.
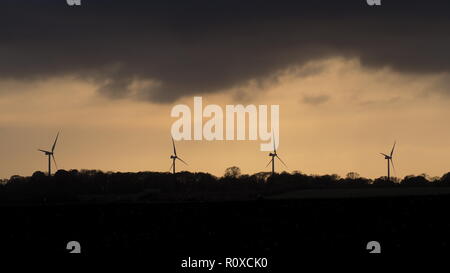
[[393, 166], [54, 160], [269, 162], [54, 143], [43, 151], [384, 154], [393, 147], [174, 150], [281, 161], [171, 166], [182, 160]]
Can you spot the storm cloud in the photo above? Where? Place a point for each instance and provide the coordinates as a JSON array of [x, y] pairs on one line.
[[315, 100], [180, 48]]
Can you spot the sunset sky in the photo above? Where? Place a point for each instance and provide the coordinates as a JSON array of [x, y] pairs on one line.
[[350, 79]]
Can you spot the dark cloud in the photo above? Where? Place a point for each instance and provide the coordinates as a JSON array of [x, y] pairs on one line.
[[192, 47], [315, 100]]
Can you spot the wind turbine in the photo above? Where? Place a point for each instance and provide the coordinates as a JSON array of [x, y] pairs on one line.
[[273, 155], [174, 157], [390, 161], [52, 155]]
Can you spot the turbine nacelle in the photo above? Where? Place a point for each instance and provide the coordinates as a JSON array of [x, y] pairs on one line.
[[46, 152]]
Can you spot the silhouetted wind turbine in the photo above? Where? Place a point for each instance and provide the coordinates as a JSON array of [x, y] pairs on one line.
[[390, 161], [174, 157], [51, 154], [273, 155]]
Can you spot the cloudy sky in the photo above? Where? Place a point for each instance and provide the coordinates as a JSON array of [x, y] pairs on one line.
[[349, 78]]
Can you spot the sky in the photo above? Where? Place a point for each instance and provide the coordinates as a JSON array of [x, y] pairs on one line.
[[350, 80]]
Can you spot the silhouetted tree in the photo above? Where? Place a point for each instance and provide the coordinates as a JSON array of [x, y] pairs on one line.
[[326, 180], [445, 179], [38, 176], [412, 180], [262, 177], [62, 174], [232, 172], [383, 181], [426, 176], [354, 179], [71, 185], [353, 175]]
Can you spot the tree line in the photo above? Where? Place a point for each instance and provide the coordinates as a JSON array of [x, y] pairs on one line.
[[78, 185]]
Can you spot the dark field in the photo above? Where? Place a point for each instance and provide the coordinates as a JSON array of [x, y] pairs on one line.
[[281, 230]]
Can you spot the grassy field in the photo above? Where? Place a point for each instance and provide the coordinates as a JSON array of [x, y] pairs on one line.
[[312, 224], [363, 193]]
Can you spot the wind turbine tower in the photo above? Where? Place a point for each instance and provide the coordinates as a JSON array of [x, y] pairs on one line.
[[274, 155], [390, 161], [51, 154], [174, 157]]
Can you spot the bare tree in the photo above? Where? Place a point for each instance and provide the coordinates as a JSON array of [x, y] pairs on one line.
[[232, 172]]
